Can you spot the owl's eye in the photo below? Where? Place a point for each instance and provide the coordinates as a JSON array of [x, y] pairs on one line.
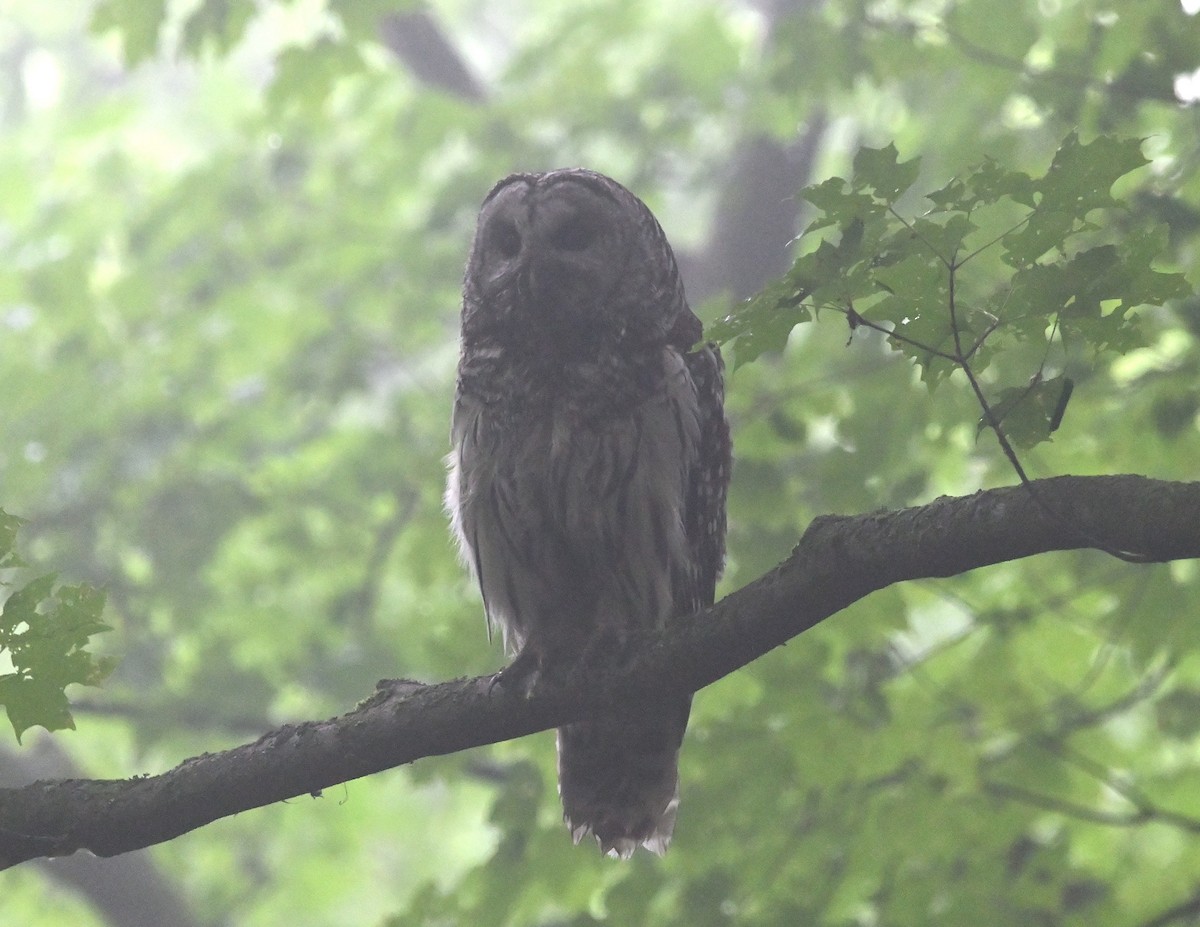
[[575, 234], [506, 238]]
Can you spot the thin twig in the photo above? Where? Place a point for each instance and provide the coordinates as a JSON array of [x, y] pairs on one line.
[[1009, 452], [1026, 796], [974, 254], [863, 322]]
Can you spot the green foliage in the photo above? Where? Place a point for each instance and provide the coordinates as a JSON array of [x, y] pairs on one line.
[[217, 25], [9, 525], [307, 75], [137, 22], [232, 239], [912, 277], [44, 633]]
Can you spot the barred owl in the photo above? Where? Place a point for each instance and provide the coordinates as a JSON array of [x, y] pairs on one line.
[[590, 463]]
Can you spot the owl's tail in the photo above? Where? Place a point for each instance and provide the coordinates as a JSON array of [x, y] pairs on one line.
[[619, 777]]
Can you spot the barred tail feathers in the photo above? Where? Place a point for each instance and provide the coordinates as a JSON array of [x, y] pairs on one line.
[[619, 778]]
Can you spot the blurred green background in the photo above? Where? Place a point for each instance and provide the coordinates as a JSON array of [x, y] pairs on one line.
[[231, 240]]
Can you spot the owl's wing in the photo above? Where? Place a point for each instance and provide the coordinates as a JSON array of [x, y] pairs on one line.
[[704, 519]]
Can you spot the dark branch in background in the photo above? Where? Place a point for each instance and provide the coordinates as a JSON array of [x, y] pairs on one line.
[[418, 41], [1057, 76], [758, 207], [1185, 911], [758, 214], [1068, 808], [1142, 809], [838, 561], [758, 210]]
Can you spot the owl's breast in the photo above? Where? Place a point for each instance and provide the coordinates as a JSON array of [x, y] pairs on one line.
[[557, 497]]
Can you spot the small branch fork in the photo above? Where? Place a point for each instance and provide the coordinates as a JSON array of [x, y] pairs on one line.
[[961, 358]]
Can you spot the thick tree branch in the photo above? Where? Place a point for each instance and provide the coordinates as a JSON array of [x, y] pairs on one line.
[[133, 891], [838, 561]]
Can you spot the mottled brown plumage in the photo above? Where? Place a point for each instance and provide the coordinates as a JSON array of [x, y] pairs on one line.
[[590, 463]]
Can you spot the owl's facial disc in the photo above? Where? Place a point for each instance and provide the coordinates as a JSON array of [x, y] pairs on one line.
[[558, 251]]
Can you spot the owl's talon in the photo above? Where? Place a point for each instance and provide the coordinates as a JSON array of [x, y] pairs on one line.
[[521, 675]]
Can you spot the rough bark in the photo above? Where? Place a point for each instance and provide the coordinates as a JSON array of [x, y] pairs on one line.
[[133, 891], [838, 561]]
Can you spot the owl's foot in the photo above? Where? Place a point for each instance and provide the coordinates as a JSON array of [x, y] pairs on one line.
[[521, 675]]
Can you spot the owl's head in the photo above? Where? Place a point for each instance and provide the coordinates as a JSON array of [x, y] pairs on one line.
[[569, 261]]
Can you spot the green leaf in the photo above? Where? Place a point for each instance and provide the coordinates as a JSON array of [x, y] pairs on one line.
[[1178, 713], [974, 25], [1046, 229], [880, 170], [1079, 180], [32, 702], [763, 323], [9, 525], [305, 77], [360, 18], [1091, 294], [217, 24], [838, 203], [916, 277], [945, 238], [137, 21], [1081, 176], [22, 605], [1027, 415], [985, 185], [46, 631], [1146, 286]]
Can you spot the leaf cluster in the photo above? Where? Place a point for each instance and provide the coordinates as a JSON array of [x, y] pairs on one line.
[[45, 629], [1000, 262]]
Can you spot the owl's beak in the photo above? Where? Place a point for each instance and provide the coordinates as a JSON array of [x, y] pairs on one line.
[[546, 284]]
